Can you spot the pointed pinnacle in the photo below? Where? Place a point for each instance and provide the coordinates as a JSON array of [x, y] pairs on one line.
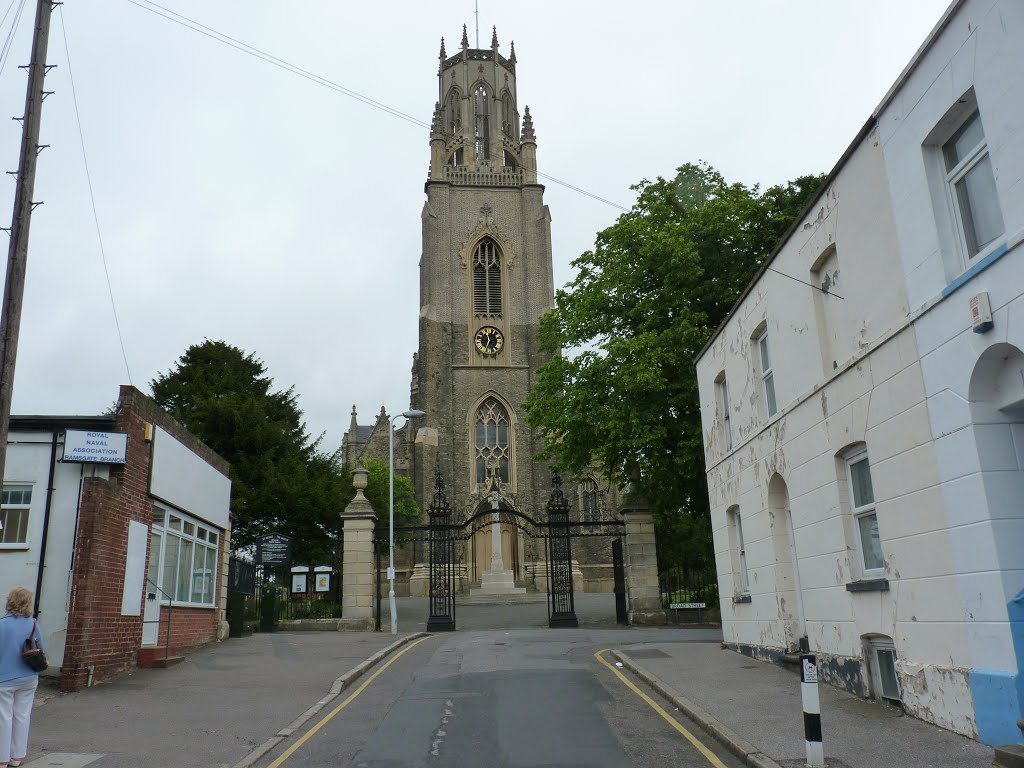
[[494, 38], [465, 37], [512, 55], [443, 55], [437, 125], [528, 134]]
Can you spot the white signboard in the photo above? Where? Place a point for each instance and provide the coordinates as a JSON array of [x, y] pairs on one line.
[[96, 447], [810, 671], [134, 569], [688, 605]]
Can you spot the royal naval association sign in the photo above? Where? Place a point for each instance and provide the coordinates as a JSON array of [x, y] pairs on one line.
[[96, 447]]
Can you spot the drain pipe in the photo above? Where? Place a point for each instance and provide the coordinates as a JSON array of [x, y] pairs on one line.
[[46, 522]]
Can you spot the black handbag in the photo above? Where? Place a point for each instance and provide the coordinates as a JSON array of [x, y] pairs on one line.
[[32, 653]]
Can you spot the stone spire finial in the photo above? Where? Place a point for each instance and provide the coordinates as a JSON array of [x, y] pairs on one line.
[[528, 134], [442, 55], [512, 54], [353, 426], [465, 37], [437, 125], [494, 38]]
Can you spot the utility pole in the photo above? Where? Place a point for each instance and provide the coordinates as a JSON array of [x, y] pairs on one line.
[[17, 255]]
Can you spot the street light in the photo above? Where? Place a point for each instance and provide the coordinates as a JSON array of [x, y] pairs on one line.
[[391, 516]]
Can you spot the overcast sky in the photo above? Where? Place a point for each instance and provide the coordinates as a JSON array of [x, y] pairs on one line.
[[240, 202]]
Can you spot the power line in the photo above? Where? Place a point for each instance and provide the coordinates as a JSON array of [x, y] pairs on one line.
[[9, 40], [269, 58], [92, 196], [812, 285]]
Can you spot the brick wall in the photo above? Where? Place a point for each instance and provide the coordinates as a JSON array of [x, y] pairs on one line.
[[98, 636]]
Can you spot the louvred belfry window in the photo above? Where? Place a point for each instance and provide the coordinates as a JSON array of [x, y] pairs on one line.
[[487, 279], [482, 126]]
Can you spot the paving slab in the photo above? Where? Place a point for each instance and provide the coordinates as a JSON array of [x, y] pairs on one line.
[[211, 710], [760, 703]]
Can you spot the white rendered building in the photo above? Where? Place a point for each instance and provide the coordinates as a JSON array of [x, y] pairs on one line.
[[864, 437]]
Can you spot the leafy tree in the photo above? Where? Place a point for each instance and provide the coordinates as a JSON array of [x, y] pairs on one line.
[[280, 481], [643, 304], [407, 512]]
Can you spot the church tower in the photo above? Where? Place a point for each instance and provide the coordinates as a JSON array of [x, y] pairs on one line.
[[485, 281]]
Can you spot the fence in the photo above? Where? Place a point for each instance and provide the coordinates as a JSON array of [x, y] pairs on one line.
[[250, 586], [689, 587]]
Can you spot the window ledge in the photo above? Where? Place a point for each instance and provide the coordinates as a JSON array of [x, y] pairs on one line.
[[15, 547], [741, 599], [868, 585], [975, 270]]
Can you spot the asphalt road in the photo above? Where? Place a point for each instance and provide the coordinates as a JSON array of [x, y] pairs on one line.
[[523, 698]]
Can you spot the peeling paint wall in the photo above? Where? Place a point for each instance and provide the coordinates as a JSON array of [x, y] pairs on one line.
[[973, 381], [877, 352]]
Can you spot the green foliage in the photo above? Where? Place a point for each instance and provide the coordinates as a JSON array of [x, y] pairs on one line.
[[407, 512], [643, 304], [280, 481]]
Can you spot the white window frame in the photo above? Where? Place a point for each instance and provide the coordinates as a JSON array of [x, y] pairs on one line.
[[953, 176], [722, 388], [742, 586], [767, 374], [26, 544], [198, 529], [876, 646], [863, 511]]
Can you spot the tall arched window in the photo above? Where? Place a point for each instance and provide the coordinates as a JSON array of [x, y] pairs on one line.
[[509, 118], [487, 279], [482, 127], [453, 111], [493, 443], [588, 494]]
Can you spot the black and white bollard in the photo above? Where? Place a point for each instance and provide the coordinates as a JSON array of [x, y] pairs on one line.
[[812, 710]]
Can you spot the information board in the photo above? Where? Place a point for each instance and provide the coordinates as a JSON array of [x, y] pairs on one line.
[[95, 447], [274, 549]]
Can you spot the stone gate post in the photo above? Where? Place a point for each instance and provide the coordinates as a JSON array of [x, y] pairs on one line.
[[643, 594], [357, 576]]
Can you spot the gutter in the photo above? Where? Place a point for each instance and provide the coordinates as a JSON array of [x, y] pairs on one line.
[[46, 521]]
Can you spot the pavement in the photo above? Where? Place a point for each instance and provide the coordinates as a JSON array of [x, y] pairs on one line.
[[211, 711], [225, 701], [755, 707]]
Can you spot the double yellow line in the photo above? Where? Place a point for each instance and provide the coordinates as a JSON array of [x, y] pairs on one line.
[[697, 743], [707, 753]]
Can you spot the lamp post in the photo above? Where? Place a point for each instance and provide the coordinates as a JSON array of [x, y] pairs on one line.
[[413, 414]]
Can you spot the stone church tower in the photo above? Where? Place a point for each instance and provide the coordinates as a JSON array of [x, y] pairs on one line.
[[485, 281]]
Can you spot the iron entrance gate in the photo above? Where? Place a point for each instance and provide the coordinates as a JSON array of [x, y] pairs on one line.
[[441, 535]]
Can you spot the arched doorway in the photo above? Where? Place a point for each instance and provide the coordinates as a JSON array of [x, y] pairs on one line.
[[996, 396], [787, 572]]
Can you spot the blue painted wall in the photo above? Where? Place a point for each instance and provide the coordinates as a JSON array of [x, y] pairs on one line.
[[998, 694]]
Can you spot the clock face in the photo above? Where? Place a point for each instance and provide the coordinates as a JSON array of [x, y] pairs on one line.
[[489, 340]]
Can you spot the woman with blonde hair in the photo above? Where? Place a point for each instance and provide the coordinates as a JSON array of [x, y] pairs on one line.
[[17, 680]]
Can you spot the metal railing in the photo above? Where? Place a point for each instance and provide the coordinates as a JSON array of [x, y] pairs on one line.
[[159, 618]]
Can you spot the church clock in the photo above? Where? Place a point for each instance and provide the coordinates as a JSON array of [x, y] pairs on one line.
[[489, 340]]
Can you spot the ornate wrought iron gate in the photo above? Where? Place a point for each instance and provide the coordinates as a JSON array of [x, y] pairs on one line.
[[441, 617], [619, 573], [441, 534], [561, 607]]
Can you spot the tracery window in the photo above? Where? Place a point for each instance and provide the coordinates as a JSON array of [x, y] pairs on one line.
[[453, 111], [589, 498], [482, 127], [493, 444], [487, 279], [509, 118]]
